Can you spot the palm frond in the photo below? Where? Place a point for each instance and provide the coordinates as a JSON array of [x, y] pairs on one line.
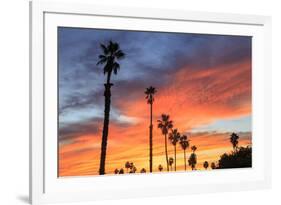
[[104, 49]]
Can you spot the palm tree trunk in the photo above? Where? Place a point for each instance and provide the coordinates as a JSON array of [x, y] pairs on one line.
[[166, 151], [150, 140], [175, 158], [107, 95], [184, 160]]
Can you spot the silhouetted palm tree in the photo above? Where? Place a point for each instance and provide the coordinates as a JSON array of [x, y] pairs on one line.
[[174, 137], [171, 161], [160, 167], [111, 53], [127, 166], [165, 124], [150, 99], [234, 140], [121, 171], [143, 170], [116, 171], [213, 165], [184, 145], [206, 165], [192, 160]]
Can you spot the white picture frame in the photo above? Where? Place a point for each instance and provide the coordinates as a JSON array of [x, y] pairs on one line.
[[46, 187]]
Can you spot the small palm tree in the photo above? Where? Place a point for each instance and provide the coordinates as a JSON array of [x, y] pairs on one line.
[[143, 170], [127, 166], [111, 55], [116, 171], [121, 171], [150, 99], [184, 145], [133, 169], [160, 167], [174, 137], [165, 124], [213, 165], [192, 160], [234, 140], [171, 161], [206, 165]]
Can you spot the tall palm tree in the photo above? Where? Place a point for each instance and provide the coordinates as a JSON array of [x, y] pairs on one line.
[[234, 140], [160, 167], [184, 145], [171, 161], [150, 99], [110, 56], [165, 124], [206, 165], [174, 137]]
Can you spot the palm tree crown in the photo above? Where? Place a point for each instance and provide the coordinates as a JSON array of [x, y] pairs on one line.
[[174, 137], [111, 53], [234, 140], [160, 167], [206, 165], [165, 124], [149, 94], [184, 142], [171, 161]]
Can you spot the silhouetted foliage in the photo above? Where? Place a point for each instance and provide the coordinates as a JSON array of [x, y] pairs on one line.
[[213, 165], [165, 124], [127, 166], [111, 54], [192, 161], [234, 140], [206, 165], [121, 171], [116, 171], [143, 170], [150, 99], [171, 161], [240, 158], [160, 168], [133, 169]]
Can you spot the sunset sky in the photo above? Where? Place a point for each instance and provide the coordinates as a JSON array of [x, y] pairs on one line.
[[203, 82]]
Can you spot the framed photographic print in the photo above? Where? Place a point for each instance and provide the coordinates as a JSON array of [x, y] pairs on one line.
[[129, 102]]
